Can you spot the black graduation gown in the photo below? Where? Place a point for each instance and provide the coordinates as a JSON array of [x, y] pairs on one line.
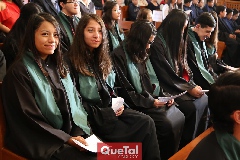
[[28, 133], [144, 101], [130, 126], [208, 149], [192, 62], [175, 84]]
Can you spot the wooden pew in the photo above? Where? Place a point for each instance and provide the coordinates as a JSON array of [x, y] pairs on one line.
[[124, 13], [221, 46], [5, 154], [185, 151]]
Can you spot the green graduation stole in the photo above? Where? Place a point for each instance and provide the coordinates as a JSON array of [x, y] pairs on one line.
[[114, 39], [46, 101], [198, 56], [89, 88], [229, 144], [135, 78]]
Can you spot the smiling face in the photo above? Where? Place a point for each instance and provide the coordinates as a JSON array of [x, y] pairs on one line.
[[93, 34], [204, 33], [46, 39]]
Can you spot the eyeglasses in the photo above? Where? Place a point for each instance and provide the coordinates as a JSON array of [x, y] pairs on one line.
[[75, 2], [150, 42]]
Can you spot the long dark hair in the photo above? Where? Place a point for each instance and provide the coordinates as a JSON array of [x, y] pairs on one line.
[[176, 40], [29, 42], [212, 41], [107, 14], [81, 56], [138, 38], [18, 30]]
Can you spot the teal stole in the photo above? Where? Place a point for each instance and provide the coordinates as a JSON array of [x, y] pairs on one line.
[[198, 56], [211, 51], [135, 78], [229, 144], [46, 101], [66, 25], [89, 88], [114, 39]]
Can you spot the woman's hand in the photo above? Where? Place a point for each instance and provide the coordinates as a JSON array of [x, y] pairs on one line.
[[80, 139], [158, 103], [196, 92], [170, 102], [120, 111]]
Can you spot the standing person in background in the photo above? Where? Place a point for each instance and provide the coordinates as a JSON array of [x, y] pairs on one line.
[[198, 58], [15, 37], [69, 20], [139, 87], [224, 142], [9, 13], [169, 60], [49, 6], [44, 101], [111, 15], [133, 10], [145, 14], [87, 7], [95, 80]]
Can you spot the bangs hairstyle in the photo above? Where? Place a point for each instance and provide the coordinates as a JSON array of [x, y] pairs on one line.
[[223, 100], [107, 13], [29, 41], [171, 30], [81, 56], [138, 38]]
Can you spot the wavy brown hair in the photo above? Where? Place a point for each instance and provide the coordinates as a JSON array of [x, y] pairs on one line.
[[80, 55]]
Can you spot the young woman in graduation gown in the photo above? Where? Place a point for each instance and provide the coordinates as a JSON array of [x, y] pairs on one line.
[[43, 110], [111, 15], [168, 57], [95, 78], [139, 86]]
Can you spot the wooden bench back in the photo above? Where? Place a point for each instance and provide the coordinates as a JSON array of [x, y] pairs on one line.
[[185, 151]]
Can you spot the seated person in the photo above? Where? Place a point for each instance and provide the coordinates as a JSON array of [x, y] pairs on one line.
[[234, 18], [95, 80], [145, 14], [40, 101], [231, 56], [198, 61], [49, 6], [199, 8], [86, 7], [187, 7], [153, 5], [169, 59], [68, 21], [133, 9], [209, 6], [139, 87], [224, 142], [111, 15]]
